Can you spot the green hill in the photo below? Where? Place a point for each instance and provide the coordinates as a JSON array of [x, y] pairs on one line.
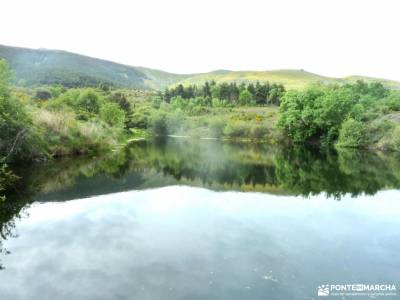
[[42, 66], [292, 79]]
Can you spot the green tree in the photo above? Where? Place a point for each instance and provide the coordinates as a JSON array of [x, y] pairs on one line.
[[245, 97], [316, 113]]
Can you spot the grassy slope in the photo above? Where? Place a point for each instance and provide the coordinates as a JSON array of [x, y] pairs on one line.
[[159, 80], [292, 79], [35, 67]]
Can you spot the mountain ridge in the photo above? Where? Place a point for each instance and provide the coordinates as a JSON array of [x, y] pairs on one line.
[[49, 66]]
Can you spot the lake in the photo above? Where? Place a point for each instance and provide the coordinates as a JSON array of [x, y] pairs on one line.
[[189, 219]]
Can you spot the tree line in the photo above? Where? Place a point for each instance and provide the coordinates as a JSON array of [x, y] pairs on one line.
[[233, 93]]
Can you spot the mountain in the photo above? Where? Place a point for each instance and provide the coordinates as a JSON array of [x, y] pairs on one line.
[[43, 66]]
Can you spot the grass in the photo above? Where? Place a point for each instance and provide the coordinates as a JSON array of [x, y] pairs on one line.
[[65, 135]]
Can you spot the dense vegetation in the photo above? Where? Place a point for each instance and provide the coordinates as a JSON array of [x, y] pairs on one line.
[[37, 123], [225, 94], [359, 115], [67, 122]]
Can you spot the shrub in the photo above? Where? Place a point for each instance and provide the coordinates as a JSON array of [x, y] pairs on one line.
[[391, 141], [6, 176], [217, 128], [120, 99], [351, 134], [237, 130], [89, 100], [393, 101], [258, 132], [112, 115], [140, 118], [18, 137], [158, 124], [42, 94]]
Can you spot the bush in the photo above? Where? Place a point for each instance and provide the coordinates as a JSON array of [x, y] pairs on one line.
[[237, 130], [217, 128], [6, 177], [158, 124], [393, 101], [351, 134], [112, 115], [42, 94], [120, 99], [89, 100], [258, 132], [140, 118], [65, 135], [18, 137], [391, 141]]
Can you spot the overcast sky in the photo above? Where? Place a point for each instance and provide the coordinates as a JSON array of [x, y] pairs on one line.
[[329, 37]]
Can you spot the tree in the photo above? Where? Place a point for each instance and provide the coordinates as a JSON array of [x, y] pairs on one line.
[[316, 114], [245, 97], [206, 90]]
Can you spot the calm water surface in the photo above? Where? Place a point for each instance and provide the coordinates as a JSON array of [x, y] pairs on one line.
[[183, 219]]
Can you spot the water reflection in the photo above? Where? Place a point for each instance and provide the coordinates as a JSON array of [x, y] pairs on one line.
[[158, 226], [214, 165], [183, 242]]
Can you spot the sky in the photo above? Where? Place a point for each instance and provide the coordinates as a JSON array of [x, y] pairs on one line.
[[329, 37]]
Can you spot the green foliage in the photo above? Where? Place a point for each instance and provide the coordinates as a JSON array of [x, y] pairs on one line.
[[89, 101], [297, 114], [228, 94], [245, 97], [236, 130], [5, 76], [393, 101], [18, 136], [318, 112], [140, 118], [217, 127], [43, 94], [6, 177], [120, 99], [112, 115], [351, 134], [158, 124], [391, 139]]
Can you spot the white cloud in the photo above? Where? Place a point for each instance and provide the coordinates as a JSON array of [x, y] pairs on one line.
[[330, 37]]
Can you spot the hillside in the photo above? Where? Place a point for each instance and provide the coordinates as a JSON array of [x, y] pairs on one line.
[[42, 66], [292, 79]]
